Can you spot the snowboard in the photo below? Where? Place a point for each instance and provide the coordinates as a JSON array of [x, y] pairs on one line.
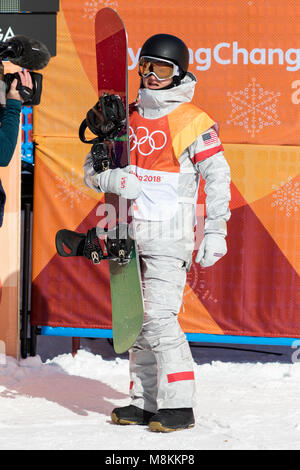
[[120, 250], [125, 279]]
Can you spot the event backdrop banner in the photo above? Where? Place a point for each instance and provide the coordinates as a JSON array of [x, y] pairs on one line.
[[246, 59], [10, 257], [10, 250]]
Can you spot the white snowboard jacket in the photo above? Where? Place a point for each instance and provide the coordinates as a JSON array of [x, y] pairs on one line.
[[171, 232]]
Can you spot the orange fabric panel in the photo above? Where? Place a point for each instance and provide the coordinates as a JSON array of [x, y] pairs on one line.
[[268, 179], [10, 255], [194, 121], [193, 316], [151, 144], [235, 53], [61, 199]]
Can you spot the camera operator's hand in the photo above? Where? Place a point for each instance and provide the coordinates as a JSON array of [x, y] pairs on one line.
[[26, 82]]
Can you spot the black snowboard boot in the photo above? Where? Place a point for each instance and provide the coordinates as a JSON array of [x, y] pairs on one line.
[[131, 415], [172, 419]]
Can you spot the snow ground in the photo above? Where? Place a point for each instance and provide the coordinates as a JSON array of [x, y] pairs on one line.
[[54, 401]]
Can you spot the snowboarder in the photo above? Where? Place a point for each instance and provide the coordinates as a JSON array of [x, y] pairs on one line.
[[173, 143]]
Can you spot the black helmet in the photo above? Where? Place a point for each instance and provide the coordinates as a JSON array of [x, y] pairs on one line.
[[166, 46]]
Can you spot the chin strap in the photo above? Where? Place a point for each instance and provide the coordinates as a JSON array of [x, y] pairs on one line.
[[176, 81]]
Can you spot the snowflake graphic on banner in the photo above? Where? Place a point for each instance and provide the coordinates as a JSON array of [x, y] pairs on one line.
[[91, 7], [196, 285], [70, 188], [253, 108], [287, 196]]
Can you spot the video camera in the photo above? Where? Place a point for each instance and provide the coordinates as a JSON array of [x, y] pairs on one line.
[[30, 97], [30, 54]]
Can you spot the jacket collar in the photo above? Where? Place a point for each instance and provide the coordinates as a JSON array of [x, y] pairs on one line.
[[153, 104]]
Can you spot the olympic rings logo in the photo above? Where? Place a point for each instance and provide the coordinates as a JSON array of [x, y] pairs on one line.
[[151, 139]]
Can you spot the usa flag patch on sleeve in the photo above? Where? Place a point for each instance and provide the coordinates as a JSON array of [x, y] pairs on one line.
[[210, 138]]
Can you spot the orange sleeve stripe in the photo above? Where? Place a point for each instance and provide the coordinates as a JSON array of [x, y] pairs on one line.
[[197, 122]]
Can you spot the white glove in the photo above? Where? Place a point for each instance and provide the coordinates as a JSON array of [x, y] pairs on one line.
[[121, 182], [213, 247]]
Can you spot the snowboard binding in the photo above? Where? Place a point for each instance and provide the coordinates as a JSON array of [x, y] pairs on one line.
[[103, 156], [96, 245], [106, 119]]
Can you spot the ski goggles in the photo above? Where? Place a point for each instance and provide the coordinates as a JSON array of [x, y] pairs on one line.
[[162, 69]]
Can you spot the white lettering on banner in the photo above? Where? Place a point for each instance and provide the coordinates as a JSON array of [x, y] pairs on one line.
[[226, 53], [8, 35], [296, 94], [295, 355], [151, 139], [217, 55], [134, 58]]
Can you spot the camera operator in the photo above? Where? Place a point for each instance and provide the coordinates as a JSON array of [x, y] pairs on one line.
[[10, 118], [10, 121]]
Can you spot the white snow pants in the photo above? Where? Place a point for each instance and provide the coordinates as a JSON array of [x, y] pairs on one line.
[[161, 364]]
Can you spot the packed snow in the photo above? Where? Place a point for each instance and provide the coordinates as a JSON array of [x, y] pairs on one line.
[[246, 400]]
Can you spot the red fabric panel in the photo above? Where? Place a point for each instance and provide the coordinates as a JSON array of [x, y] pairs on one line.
[[206, 153], [178, 376]]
